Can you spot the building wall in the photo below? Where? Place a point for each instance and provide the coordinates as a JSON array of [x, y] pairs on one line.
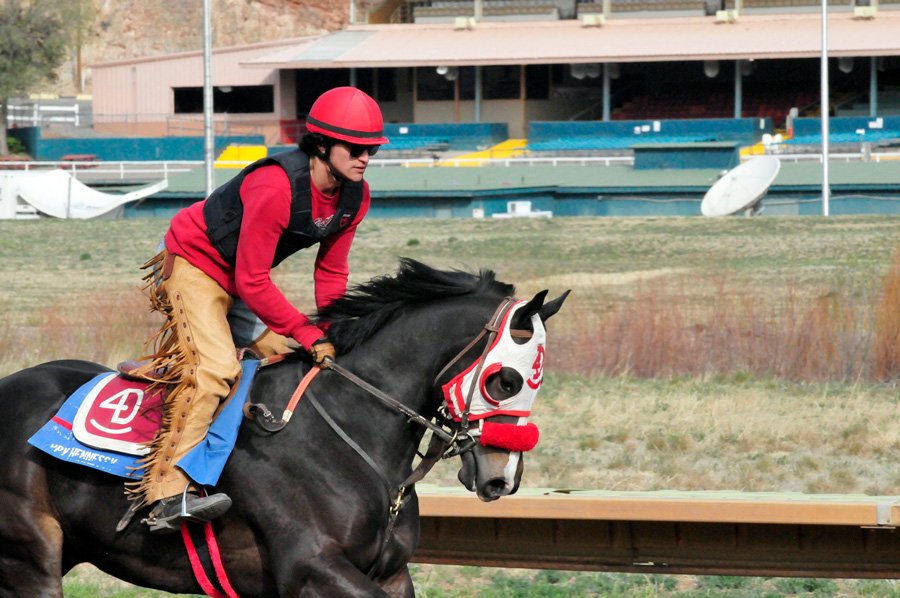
[[136, 98]]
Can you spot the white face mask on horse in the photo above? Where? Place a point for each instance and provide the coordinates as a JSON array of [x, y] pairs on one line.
[[469, 397]]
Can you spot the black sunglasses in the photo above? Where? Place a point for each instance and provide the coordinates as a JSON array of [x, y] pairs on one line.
[[356, 149]]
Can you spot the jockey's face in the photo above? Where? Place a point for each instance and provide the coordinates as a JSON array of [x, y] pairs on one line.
[[351, 160]]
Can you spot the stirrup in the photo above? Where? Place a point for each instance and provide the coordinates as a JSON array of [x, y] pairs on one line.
[[166, 517]]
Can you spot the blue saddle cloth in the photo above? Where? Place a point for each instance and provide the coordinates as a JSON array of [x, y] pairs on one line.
[[203, 464]]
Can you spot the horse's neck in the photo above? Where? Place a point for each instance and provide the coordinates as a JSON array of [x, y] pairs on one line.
[[404, 369], [403, 362]]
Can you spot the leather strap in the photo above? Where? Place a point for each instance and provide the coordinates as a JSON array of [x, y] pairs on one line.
[[298, 393]]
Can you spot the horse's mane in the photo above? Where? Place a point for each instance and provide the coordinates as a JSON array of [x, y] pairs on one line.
[[366, 307]]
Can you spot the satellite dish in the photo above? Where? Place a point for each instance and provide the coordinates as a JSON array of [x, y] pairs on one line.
[[742, 188]]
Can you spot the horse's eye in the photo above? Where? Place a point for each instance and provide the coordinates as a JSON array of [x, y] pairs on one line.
[[509, 383], [502, 384]]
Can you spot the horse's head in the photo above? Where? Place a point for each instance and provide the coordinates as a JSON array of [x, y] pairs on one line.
[[492, 366], [491, 399]]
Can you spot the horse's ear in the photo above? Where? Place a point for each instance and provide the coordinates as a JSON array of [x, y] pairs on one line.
[[523, 315], [549, 309]]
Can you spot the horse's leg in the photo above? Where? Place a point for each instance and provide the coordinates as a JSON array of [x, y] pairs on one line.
[[31, 542], [399, 585], [329, 574]]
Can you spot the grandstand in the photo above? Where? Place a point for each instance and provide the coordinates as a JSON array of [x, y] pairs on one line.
[[413, 139], [582, 77], [586, 138], [425, 11], [848, 132]]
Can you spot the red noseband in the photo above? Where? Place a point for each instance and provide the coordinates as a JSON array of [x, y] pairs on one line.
[[510, 436]]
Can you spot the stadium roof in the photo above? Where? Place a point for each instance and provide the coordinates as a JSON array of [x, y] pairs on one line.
[[756, 36]]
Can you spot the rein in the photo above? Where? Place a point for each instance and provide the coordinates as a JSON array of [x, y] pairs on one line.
[[390, 401], [459, 442]]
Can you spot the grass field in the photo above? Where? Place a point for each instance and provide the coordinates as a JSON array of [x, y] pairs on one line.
[[740, 354]]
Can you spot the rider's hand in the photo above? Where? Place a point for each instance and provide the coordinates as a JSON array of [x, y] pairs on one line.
[[322, 349]]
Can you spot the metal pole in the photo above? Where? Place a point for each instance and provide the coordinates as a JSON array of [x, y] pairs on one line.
[[606, 92], [69, 194], [208, 145], [873, 86], [824, 116], [478, 91], [352, 16], [738, 89]]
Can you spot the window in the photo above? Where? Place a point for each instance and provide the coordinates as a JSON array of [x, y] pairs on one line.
[[500, 82], [537, 81], [497, 83], [238, 99], [432, 86]]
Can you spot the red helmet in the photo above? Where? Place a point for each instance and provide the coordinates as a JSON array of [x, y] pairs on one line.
[[348, 114]]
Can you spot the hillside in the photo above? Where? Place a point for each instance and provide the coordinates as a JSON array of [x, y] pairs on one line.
[[123, 29]]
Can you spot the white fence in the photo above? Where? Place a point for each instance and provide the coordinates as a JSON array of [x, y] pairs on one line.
[[141, 170], [36, 115], [88, 171]]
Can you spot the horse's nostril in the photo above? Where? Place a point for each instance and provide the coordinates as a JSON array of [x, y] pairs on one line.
[[496, 487]]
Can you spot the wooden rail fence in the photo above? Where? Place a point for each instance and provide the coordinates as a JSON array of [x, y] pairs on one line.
[[702, 533]]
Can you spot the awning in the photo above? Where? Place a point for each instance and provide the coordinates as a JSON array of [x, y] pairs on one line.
[[756, 36]]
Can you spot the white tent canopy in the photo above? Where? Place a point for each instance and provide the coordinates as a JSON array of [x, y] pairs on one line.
[[58, 194]]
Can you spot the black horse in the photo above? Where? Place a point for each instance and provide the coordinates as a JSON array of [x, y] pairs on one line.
[[311, 516]]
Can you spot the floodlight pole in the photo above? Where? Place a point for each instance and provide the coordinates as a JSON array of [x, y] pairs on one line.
[[208, 143], [873, 87], [824, 111]]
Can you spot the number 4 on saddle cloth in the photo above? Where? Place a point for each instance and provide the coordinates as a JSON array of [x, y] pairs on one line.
[[107, 423]]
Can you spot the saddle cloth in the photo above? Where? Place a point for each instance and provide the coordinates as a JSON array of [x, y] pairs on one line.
[[108, 421]]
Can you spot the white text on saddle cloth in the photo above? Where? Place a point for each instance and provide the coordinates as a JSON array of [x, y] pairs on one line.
[[526, 358]]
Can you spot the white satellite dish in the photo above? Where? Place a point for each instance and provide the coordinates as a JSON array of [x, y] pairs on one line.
[[741, 188]]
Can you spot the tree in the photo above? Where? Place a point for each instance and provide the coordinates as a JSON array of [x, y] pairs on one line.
[[78, 17], [32, 46]]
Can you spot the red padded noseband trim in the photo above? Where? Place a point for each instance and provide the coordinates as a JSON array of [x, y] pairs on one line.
[[510, 436]]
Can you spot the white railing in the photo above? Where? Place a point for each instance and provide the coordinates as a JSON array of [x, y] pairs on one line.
[[113, 170], [522, 161], [841, 157], [125, 170], [40, 114], [142, 170]]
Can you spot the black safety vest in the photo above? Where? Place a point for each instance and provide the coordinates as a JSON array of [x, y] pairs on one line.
[[223, 209]]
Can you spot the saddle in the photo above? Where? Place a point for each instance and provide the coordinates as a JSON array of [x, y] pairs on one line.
[[135, 369], [107, 423]]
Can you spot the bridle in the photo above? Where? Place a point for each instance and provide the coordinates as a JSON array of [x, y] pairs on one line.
[[453, 434], [449, 437]]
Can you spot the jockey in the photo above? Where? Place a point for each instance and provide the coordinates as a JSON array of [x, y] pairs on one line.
[[218, 256]]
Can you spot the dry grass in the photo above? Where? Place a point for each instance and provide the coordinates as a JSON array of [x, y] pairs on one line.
[[719, 433], [886, 344], [767, 365], [693, 326], [105, 326], [742, 354]]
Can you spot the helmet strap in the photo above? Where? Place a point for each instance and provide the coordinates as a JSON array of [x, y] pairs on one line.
[[326, 158]]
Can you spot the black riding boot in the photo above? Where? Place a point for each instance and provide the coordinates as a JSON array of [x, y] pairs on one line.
[[167, 515]]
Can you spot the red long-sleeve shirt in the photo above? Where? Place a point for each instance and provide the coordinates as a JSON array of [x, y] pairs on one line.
[[266, 198]]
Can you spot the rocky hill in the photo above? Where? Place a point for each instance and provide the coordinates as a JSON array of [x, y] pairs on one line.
[[123, 29]]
